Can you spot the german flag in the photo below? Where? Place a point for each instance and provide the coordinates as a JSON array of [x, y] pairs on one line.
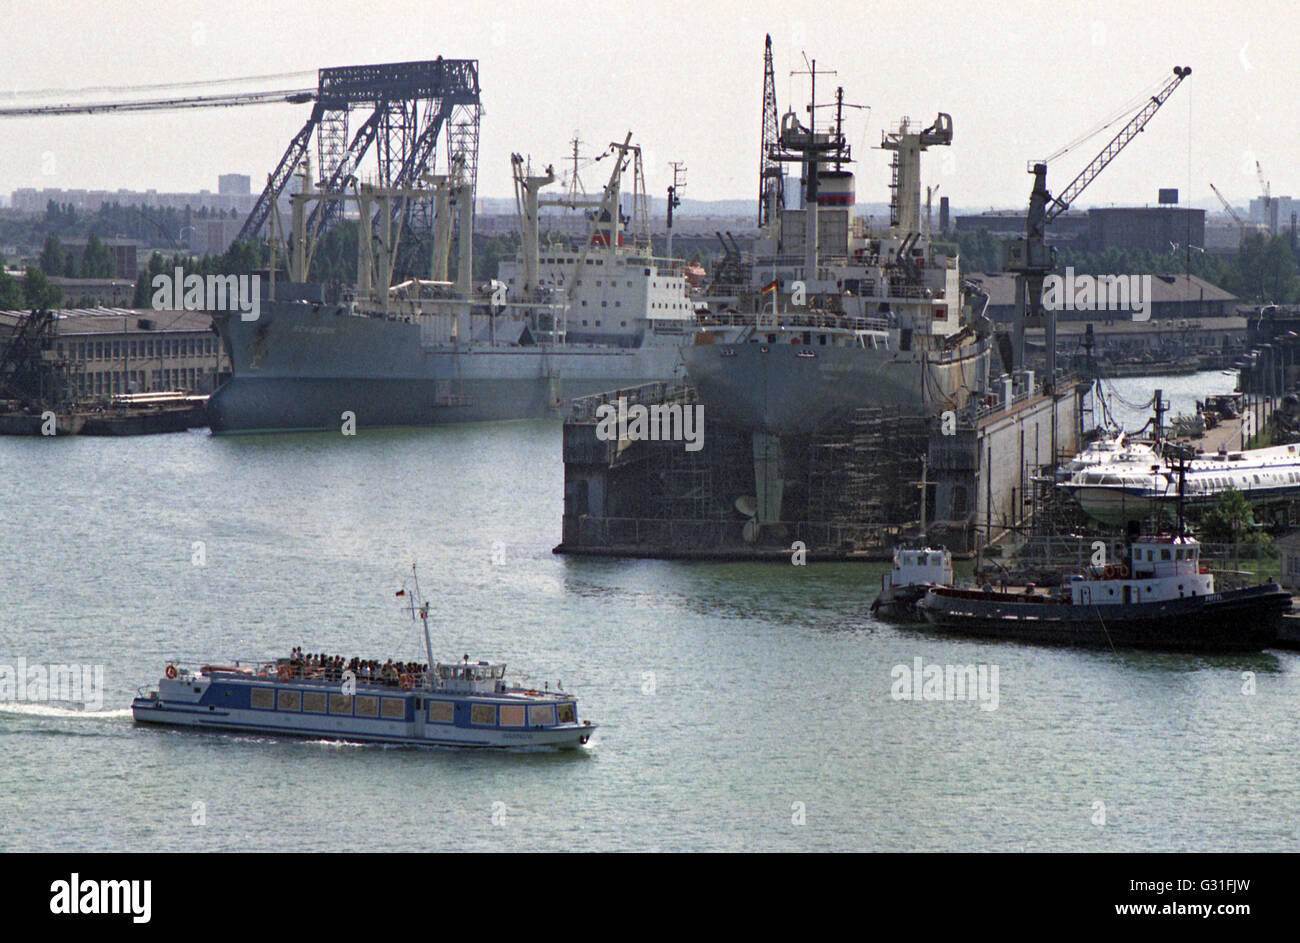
[[771, 287], [401, 592]]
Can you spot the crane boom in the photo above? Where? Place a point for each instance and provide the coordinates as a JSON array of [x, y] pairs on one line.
[[292, 96], [1032, 259], [771, 181], [1134, 127], [1241, 224]]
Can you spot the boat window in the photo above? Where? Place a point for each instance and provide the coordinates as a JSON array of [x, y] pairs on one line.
[[440, 712], [367, 705], [314, 702], [341, 704], [512, 715], [567, 714], [541, 716], [288, 700], [484, 715], [262, 698], [392, 708], [1164, 553]]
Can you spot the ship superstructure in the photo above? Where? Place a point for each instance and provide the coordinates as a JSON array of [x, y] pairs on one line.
[[826, 316]]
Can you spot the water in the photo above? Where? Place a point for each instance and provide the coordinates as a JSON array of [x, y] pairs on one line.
[[1130, 397], [735, 699]]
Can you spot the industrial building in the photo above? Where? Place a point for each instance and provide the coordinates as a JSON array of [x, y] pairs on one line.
[[125, 350], [1173, 297], [125, 253], [1141, 228]]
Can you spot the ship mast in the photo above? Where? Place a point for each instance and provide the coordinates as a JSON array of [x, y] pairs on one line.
[[424, 615]]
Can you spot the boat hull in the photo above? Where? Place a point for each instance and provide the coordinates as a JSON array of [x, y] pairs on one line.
[[406, 718], [1237, 620], [796, 389], [302, 367], [898, 603]]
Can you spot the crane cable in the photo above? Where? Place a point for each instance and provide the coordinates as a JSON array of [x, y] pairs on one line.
[[1125, 111], [156, 87]]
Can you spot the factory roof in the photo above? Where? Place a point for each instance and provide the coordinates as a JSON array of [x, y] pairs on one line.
[[1001, 287], [115, 320]]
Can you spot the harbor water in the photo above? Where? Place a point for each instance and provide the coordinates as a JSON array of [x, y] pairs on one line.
[[742, 706]]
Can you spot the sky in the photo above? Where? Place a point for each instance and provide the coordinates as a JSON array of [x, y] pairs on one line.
[[1020, 81]]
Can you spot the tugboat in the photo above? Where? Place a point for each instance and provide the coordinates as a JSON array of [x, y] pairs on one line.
[[915, 571], [458, 704], [1160, 598]]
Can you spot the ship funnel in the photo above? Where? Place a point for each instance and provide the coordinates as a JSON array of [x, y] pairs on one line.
[[835, 188]]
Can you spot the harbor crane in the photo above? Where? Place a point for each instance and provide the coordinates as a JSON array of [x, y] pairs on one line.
[[1031, 259], [1270, 208], [399, 111], [1241, 223]]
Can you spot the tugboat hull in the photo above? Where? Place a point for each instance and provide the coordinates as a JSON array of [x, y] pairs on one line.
[[1238, 620]]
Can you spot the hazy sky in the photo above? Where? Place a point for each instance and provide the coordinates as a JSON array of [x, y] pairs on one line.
[[1019, 79]]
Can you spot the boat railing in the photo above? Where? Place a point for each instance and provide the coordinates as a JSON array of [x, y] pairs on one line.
[[283, 669]]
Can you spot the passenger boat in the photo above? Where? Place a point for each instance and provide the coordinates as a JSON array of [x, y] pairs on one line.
[[457, 704], [1132, 488], [914, 572], [1160, 597]]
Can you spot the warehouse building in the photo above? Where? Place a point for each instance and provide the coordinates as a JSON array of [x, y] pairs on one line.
[[127, 350]]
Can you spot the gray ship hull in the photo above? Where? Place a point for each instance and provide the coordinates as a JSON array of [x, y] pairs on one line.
[[303, 367], [792, 389]]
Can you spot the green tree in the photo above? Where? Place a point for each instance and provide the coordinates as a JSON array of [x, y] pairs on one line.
[[53, 260], [11, 293], [38, 292], [97, 260], [1231, 519]]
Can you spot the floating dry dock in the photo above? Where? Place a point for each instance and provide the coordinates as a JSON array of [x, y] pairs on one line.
[[846, 493]]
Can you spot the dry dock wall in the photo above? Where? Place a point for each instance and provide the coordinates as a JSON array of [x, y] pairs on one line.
[[849, 492]]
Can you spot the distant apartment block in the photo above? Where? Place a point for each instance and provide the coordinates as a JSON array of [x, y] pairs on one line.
[[233, 193]]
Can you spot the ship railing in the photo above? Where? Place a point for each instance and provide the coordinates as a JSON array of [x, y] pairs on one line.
[[769, 321], [583, 408]]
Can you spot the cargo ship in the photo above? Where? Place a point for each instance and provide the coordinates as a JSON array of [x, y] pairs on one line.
[[560, 321], [827, 315]]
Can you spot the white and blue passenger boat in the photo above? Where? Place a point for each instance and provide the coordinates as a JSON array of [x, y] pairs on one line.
[[458, 704]]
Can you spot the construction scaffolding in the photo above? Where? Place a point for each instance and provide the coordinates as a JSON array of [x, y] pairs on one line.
[[849, 490]]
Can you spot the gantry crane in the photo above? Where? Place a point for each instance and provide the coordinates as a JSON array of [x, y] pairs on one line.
[[1031, 259]]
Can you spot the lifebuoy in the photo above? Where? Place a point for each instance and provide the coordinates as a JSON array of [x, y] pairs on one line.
[[407, 682], [171, 672], [1121, 570], [285, 672], [1109, 571]]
